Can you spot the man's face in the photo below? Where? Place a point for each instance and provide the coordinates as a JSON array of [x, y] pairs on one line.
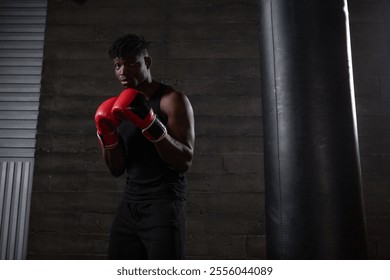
[[132, 71]]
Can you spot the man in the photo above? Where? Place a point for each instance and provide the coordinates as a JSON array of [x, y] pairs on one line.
[[147, 131]]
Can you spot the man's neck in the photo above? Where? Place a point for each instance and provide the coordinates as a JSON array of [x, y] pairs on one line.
[[148, 87]]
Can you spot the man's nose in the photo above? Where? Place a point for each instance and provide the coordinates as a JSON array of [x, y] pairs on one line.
[[121, 70]]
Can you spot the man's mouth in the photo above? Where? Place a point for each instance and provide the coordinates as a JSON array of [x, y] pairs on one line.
[[124, 81]]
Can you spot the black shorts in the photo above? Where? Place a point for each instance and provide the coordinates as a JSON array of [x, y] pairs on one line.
[[148, 231]]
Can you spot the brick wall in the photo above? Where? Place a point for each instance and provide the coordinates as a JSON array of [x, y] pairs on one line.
[[207, 49]]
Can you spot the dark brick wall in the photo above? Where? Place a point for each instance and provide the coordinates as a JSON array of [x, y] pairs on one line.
[[370, 39], [209, 50]]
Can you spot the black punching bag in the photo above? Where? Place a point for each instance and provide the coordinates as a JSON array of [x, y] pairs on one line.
[[314, 203]]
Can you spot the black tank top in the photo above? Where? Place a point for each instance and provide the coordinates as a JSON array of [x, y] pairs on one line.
[[148, 177]]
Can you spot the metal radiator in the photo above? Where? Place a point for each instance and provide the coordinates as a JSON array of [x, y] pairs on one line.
[[22, 30], [15, 193]]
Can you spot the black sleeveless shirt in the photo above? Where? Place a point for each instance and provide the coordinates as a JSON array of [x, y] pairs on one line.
[[148, 177]]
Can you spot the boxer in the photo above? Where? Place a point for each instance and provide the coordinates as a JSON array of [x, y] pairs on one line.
[[147, 132]]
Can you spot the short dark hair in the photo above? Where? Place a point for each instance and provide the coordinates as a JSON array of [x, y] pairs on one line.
[[129, 44]]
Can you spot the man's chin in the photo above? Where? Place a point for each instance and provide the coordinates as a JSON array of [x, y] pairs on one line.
[[127, 85]]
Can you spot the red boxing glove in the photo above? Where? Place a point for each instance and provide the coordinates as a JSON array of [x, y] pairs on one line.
[[106, 124], [133, 106]]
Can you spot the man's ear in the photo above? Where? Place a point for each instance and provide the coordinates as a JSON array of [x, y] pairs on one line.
[[148, 61]]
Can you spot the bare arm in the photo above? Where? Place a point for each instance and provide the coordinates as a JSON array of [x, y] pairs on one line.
[[115, 158], [177, 148]]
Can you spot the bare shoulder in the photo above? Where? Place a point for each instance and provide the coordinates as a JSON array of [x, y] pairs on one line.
[[174, 101]]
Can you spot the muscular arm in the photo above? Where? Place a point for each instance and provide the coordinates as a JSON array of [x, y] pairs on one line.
[[115, 159], [177, 148]]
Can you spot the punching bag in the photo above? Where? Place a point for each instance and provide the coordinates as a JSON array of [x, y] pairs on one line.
[[313, 189]]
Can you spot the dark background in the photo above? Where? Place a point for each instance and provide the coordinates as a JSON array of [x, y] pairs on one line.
[[210, 51]]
